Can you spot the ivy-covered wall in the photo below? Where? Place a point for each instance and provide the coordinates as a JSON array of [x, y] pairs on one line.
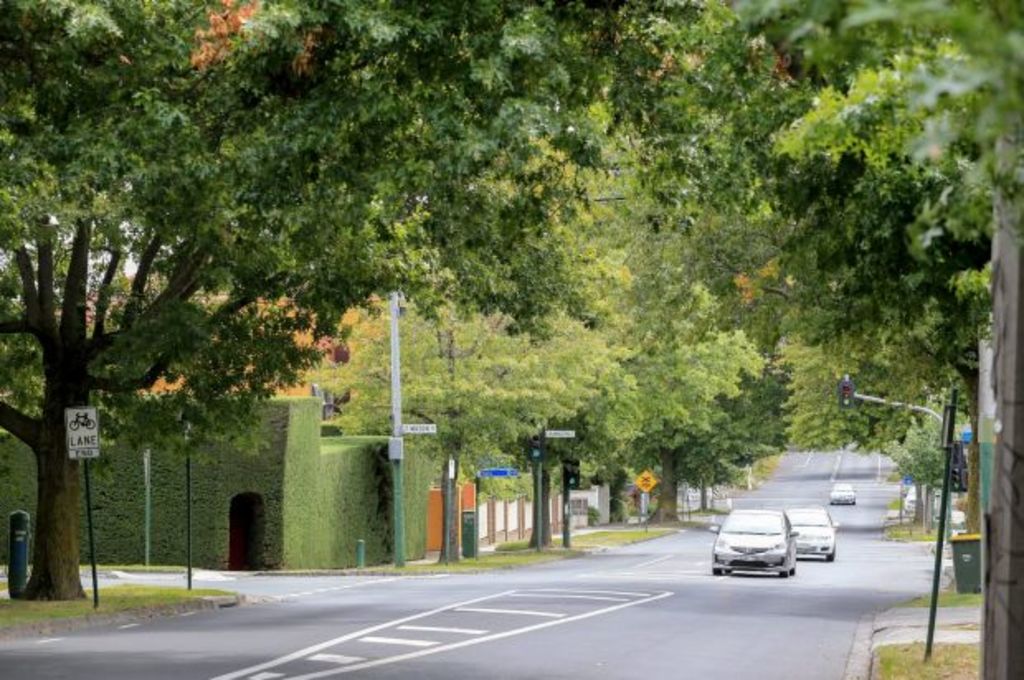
[[320, 495]]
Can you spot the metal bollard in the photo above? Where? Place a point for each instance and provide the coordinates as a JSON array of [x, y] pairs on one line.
[[360, 553], [17, 554]]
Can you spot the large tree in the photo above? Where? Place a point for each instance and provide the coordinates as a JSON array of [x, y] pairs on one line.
[[187, 190]]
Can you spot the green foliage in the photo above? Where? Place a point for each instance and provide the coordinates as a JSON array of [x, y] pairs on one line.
[[919, 455]]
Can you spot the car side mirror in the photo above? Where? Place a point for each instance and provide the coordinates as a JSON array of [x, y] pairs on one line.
[[794, 534], [714, 528]]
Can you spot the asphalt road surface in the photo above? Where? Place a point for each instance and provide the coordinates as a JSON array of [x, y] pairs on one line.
[[650, 610]]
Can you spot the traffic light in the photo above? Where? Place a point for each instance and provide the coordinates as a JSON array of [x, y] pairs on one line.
[[846, 392], [536, 450], [958, 468], [571, 473]]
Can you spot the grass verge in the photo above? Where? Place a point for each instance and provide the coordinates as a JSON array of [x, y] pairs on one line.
[[908, 533], [948, 662], [504, 560], [765, 467], [948, 599], [611, 539], [112, 599]]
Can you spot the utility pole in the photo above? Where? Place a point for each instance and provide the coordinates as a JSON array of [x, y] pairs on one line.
[[948, 423], [396, 443]]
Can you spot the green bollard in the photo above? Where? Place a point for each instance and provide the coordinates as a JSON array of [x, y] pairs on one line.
[[17, 554], [360, 553]]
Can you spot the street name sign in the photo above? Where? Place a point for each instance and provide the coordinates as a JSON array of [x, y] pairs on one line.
[[419, 428], [559, 434], [498, 472], [908, 480], [646, 481], [82, 426]]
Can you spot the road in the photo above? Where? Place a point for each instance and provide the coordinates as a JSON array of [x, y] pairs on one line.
[[647, 610]]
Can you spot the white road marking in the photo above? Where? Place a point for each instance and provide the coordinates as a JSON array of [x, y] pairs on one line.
[[46, 641], [654, 561], [399, 641], [879, 456], [442, 629], [808, 461], [474, 641], [568, 596], [266, 676], [127, 625], [340, 659], [835, 470], [187, 614], [521, 612], [344, 638], [596, 592]]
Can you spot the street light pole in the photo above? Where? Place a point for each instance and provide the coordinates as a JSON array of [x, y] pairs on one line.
[[395, 445]]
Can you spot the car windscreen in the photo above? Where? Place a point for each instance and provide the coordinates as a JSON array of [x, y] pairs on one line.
[[808, 518], [843, 488], [752, 524]]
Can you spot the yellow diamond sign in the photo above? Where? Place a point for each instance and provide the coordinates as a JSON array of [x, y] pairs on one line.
[[646, 481]]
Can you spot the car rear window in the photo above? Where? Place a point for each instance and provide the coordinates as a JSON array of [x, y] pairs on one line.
[[808, 518]]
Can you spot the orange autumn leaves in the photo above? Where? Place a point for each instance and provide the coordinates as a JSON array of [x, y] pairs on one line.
[[766, 279], [214, 43]]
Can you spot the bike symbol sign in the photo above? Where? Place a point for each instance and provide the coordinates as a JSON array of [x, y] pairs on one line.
[[81, 423]]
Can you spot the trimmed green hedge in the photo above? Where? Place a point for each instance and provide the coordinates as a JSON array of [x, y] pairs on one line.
[[319, 496]]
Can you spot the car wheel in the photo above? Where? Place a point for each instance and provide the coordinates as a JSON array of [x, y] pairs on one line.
[[715, 571], [792, 572], [831, 557], [784, 573]]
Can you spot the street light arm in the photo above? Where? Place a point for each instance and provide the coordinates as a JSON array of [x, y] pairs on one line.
[[899, 404]]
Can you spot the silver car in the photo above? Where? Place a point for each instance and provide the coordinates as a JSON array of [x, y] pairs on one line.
[[842, 494], [755, 540], [817, 532]]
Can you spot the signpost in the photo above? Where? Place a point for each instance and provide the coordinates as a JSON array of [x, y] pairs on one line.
[[419, 428], [498, 472], [559, 434], [645, 481], [82, 427]]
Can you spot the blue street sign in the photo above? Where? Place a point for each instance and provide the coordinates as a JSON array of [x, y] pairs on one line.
[[498, 472], [908, 480], [966, 435]]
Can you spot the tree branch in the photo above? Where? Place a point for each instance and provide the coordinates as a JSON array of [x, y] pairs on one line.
[[29, 294], [147, 380], [20, 425], [46, 289], [72, 315], [103, 300], [138, 292]]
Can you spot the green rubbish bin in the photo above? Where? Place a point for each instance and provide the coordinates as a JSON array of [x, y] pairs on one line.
[[17, 554], [967, 562], [469, 533]]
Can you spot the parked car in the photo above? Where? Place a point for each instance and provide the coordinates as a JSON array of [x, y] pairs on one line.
[[755, 540], [817, 532], [842, 494], [910, 504]]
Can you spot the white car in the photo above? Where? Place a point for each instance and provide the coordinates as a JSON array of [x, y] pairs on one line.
[[754, 540], [842, 494], [817, 532]]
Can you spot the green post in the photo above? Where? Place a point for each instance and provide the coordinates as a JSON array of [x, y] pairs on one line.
[[92, 537], [538, 511], [566, 512], [148, 519], [17, 553], [398, 513], [940, 535], [360, 553], [188, 517]]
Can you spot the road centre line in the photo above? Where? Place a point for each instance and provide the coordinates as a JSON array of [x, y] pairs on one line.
[[302, 653], [474, 641], [399, 641], [46, 641], [654, 561], [808, 461], [567, 596], [522, 612], [127, 625], [334, 658], [835, 470], [444, 629]]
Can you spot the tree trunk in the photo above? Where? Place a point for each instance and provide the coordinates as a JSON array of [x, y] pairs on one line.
[[55, 554], [667, 509], [973, 509], [703, 497], [1003, 629], [450, 509]]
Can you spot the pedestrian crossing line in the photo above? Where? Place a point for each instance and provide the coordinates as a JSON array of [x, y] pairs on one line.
[[570, 596], [339, 659], [443, 629], [627, 593], [399, 641], [266, 676], [521, 612]]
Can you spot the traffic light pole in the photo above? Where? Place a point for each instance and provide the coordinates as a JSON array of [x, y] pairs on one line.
[[396, 452], [898, 404]]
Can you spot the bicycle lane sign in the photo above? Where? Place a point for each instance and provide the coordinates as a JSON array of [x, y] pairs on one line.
[[82, 425]]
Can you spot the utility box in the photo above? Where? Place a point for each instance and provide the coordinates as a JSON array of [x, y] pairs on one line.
[[469, 536], [967, 562], [17, 554]]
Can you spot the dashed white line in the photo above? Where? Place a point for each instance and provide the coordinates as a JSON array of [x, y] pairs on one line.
[[808, 461], [654, 561], [570, 596], [187, 614], [339, 659], [266, 676], [835, 470], [521, 612], [46, 641], [399, 641], [127, 625], [443, 629]]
